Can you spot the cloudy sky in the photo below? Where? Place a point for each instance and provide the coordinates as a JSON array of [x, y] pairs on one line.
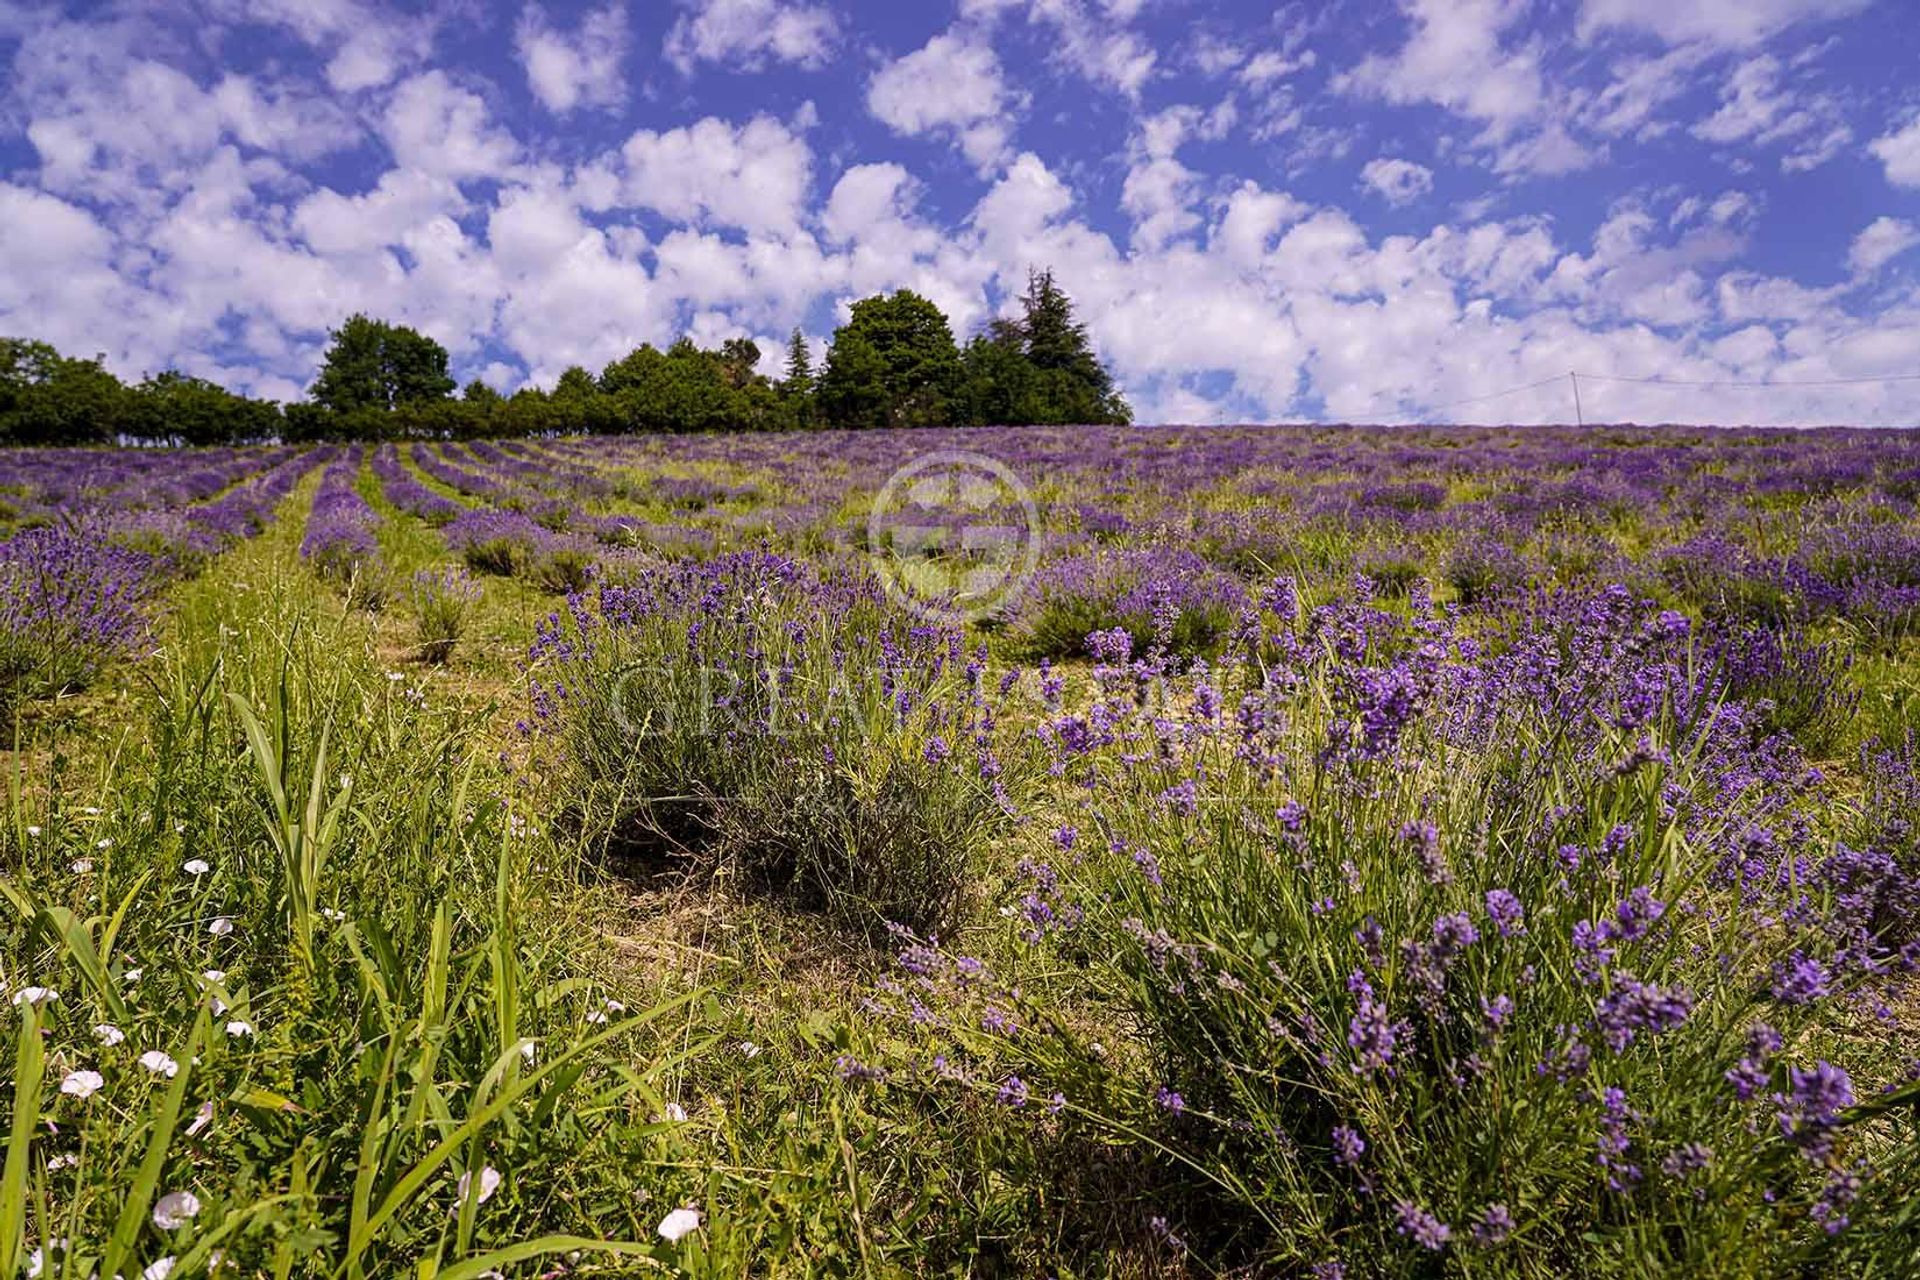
[[1360, 210]]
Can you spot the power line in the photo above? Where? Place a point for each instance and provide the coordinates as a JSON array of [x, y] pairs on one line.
[[1497, 395], [1725, 382]]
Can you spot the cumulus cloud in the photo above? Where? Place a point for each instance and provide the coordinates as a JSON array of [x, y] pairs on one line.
[[1397, 181], [1470, 57], [365, 46], [1883, 240], [168, 211], [951, 85], [438, 127], [1096, 44], [1899, 151], [581, 68], [748, 34], [754, 176]]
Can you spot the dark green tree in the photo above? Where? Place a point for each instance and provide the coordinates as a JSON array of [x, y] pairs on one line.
[[375, 365], [893, 364], [173, 408], [1070, 383], [575, 384], [47, 398], [797, 388], [799, 379], [998, 382], [739, 357]]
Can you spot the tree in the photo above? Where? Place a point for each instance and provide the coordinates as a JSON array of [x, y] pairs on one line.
[[375, 365], [171, 407], [575, 384], [998, 382], [893, 364], [1071, 385], [739, 357], [796, 389], [47, 398], [799, 379]]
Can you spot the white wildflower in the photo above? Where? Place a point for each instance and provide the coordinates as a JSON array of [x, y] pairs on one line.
[[175, 1209], [159, 1270], [489, 1183], [196, 867], [132, 975], [108, 1034], [748, 1049], [82, 865], [36, 1263], [679, 1223], [159, 1064], [82, 1084], [201, 1119], [35, 996], [221, 926], [215, 975], [239, 1027]]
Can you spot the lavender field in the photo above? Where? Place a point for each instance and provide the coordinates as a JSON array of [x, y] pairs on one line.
[[1100, 851]]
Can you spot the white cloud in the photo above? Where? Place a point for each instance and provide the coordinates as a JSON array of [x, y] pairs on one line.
[[1466, 56], [1899, 151], [1724, 22], [366, 46], [750, 33], [951, 85], [1757, 109], [582, 69], [753, 176], [176, 220], [1098, 46], [1397, 181], [1883, 240], [435, 126], [571, 295]]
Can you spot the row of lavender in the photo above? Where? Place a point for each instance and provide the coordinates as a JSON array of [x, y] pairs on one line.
[[1775, 526], [80, 580]]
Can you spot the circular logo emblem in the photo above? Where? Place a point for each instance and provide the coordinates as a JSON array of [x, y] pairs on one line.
[[954, 536]]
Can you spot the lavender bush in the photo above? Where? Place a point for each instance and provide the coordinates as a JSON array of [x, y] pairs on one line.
[[788, 721], [69, 603]]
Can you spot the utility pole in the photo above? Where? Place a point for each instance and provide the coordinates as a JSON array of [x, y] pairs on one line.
[[1579, 418]]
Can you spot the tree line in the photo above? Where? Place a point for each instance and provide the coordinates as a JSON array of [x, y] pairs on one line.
[[895, 363]]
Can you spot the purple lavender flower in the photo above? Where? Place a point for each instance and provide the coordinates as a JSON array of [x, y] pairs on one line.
[[1800, 979], [1508, 916], [1421, 1227], [1495, 1225], [1423, 838]]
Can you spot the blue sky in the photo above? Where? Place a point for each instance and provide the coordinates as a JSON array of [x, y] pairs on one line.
[[1361, 210]]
